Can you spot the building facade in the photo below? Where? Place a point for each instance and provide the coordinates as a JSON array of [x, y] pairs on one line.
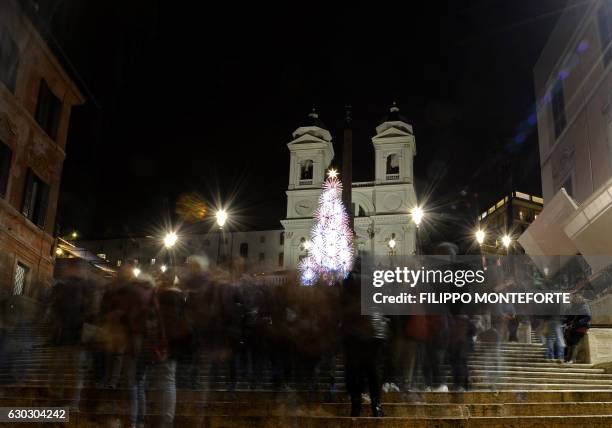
[[36, 97], [511, 216], [573, 84], [244, 252], [381, 207]]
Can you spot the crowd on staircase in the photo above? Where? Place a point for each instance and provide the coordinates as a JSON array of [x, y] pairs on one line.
[[265, 337]]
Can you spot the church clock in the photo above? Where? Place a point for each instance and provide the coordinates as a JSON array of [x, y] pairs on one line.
[[304, 207]]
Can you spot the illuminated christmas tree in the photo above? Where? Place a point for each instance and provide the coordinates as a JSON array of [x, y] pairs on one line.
[[330, 250]]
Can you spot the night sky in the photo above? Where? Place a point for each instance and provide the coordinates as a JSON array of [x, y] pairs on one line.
[[189, 97]]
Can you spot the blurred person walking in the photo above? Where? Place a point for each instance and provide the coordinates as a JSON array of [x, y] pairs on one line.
[[364, 337], [171, 304], [576, 326], [71, 306], [145, 340]]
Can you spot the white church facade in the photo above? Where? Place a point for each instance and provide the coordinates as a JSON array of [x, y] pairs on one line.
[[382, 210], [381, 207]]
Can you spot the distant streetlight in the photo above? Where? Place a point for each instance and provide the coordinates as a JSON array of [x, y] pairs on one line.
[[170, 239], [136, 272], [480, 236], [417, 215], [163, 268], [506, 241], [392, 243], [221, 216], [74, 235]]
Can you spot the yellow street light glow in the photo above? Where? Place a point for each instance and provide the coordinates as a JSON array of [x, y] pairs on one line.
[[332, 173], [480, 236], [417, 215], [506, 240], [392, 243], [221, 217], [163, 268], [59, 251], [136, 272], [170, 239], [74, 235]]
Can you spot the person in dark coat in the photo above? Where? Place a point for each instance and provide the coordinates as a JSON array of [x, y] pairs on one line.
[[144, 345], [71, 307], [576, 326], [171, 304], [363, 337]]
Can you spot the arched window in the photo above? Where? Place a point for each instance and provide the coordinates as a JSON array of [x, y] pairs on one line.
[[393, 164], [244, 250], [306, 167], [9, 59]]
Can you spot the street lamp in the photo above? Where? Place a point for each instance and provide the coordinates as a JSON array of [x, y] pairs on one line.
[[392, 243], [170, 239], [506, 241], [163, 268], [136, 272], [480, 236], [221, 217], [74, 235], [417, 215]]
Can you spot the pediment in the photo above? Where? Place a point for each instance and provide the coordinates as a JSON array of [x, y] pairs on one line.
[[392, 132], [307, 139]]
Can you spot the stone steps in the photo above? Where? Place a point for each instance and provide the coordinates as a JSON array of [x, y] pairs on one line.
[[401, 409], [593, 421]]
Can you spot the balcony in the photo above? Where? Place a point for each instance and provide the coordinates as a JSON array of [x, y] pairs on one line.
[[305, 182], [392, 177]]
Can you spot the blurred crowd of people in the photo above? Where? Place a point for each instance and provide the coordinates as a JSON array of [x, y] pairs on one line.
[[201, 330]]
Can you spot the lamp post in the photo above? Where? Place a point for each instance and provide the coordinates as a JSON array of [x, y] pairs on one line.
[[506, 242], [221, 217], [170, 241], [480, 237], [417, 215]]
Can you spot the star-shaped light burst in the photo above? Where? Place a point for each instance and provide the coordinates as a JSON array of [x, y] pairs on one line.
[[332, 173]]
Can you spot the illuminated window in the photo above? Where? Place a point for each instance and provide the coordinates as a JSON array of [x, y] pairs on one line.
[[522, 195], [119, 263], [152, 262], [21, 276]]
